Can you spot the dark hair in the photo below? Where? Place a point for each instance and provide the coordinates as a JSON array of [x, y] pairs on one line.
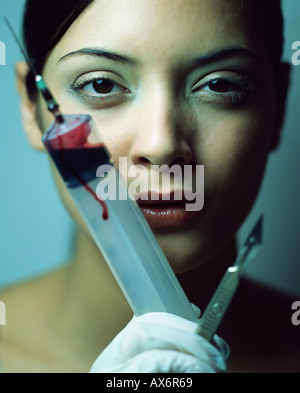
[[41, 34], [45, 23], [268, 23]]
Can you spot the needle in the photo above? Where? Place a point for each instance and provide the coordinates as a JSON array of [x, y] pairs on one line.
[[52, 105]]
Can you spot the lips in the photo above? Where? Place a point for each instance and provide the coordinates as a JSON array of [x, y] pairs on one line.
[[164, 211]]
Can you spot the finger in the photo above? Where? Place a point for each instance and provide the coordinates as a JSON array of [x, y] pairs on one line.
[[160, 361]]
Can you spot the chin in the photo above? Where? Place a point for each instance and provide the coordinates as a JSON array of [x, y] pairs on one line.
[[183, 252]]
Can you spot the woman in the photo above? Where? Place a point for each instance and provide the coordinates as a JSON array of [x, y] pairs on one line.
[[198, 82]]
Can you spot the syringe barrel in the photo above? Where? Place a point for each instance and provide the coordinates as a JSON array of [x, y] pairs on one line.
[[123, 236]]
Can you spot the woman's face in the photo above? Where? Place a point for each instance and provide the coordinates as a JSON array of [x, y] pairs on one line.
[[187, 83]]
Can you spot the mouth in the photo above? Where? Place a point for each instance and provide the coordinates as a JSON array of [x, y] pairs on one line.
[[164, 211]]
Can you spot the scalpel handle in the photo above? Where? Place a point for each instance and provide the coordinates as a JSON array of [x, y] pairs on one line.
[[219, 304]]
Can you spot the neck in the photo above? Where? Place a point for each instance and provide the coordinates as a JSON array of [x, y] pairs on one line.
[[201, 283]]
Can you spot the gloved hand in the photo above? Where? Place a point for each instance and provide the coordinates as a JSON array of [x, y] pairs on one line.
[[162, 343]]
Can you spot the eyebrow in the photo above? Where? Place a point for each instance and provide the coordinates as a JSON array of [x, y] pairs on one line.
[[222, 54], [201, 61], [100, 53]]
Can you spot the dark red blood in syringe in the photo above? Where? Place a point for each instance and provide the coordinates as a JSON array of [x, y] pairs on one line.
[[79, 166], [77, 160]]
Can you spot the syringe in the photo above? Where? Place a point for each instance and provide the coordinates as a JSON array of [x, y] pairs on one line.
[[118, 227]]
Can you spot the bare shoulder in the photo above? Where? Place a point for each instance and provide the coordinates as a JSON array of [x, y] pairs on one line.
[[28, 309], [261, 326], [25, 297]]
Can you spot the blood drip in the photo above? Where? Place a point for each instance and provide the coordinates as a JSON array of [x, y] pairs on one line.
[[77, 160]]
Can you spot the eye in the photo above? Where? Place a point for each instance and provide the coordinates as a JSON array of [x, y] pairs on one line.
[[101, 86], [100, 91], [231, 89], [219, 85]]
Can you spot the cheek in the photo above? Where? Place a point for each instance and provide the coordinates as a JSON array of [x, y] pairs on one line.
[[234, 148], [115, 125]]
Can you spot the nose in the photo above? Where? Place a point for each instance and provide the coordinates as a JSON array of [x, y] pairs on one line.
[[160, 137]]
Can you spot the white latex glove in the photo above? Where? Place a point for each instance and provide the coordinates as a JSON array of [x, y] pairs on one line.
[[162, 343]]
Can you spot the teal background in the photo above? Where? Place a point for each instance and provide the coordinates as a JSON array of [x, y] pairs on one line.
[[36, 233]]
